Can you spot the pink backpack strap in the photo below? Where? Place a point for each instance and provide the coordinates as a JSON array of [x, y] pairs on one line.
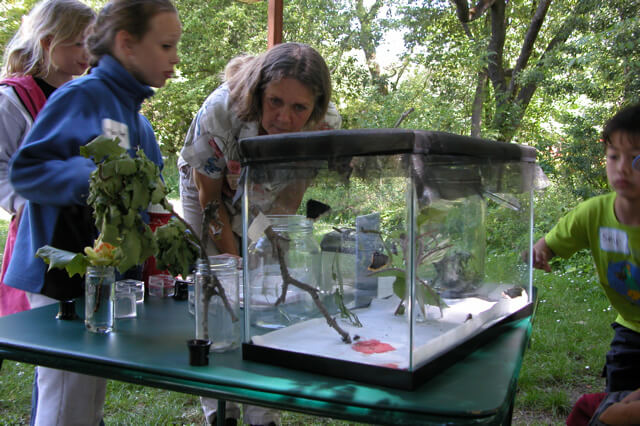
[[29, 93]]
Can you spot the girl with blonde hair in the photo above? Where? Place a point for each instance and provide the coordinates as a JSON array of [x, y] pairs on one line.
[[47, 51]]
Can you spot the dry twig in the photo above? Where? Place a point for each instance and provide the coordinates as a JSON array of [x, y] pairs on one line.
[[287, 280]]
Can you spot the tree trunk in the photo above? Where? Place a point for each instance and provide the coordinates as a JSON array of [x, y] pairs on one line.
[[368, 43], [511, 100], [478, 102]]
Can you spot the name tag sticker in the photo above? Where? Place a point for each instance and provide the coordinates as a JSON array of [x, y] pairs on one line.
[[614, 240], [258, 226], [115, 129]]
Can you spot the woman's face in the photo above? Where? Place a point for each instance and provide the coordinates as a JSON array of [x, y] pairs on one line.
[[287, 105]]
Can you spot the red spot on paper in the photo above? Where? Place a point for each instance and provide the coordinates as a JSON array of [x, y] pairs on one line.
[[390, 365], [372, 346]]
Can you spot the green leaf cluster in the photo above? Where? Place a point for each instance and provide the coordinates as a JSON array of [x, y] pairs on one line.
[[119, 189], [177, 248], [429, 250]]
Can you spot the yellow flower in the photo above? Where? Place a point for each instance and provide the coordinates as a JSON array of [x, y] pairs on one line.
[[103, 254]]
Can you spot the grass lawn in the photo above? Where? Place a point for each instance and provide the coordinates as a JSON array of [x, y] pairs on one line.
[[571, 334]]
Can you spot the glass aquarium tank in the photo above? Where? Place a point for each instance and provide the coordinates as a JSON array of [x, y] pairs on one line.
[[383, 255]]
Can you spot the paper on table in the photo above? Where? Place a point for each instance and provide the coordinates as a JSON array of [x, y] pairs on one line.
[[431, 338]]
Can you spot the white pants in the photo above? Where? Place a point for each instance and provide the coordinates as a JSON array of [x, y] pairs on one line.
[[252, 414], [66, 398]]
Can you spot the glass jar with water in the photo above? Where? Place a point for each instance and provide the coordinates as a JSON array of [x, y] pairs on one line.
[[216, 320], [274, 303], [99, 298]]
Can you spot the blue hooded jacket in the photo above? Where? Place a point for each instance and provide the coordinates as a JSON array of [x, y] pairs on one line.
[[49, 172]]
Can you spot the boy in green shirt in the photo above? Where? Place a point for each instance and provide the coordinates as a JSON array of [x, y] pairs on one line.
[[609, 226]]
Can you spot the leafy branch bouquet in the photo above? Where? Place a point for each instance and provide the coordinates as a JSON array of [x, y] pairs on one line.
[[120, 188]]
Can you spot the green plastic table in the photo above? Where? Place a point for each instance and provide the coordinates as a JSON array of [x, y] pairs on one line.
[[151, 350]]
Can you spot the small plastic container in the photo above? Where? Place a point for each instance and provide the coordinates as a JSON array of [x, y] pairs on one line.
[[67, 310], [198, 352], [125, 300], [136, 287], [161, 285], [182, 289]]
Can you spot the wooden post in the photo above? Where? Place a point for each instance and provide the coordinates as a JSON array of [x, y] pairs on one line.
[[274, 18]]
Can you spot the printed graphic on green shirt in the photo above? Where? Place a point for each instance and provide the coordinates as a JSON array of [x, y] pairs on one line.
[[623, 277]]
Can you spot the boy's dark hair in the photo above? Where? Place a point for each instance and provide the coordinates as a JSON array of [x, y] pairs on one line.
[[627, 120]]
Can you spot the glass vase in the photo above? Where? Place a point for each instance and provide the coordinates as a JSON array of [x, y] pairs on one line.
[[99, 298]]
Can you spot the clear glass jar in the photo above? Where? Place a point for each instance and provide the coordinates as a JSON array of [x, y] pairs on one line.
[[225, 334], [214, 322], [202, 281], [303, 262], [99, 298], [191, 294]]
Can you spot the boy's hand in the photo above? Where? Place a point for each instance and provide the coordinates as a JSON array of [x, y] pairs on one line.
[[625, 412], [541, 255]]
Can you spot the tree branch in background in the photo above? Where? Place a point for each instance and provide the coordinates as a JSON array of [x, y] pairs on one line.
[[495, 50], [403, 116], [466, 14], [368, 40], [523, 97], [462, 10], [527, 45], [480, 9]]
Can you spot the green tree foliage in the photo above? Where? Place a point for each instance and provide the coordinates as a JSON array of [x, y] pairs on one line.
[[11, 12], [600, 73], [538, 72], [506, 44], [213, 32], [340, 29], [548, 74]]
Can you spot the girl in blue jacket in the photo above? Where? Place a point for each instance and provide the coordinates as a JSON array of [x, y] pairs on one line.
[[133, 47]]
